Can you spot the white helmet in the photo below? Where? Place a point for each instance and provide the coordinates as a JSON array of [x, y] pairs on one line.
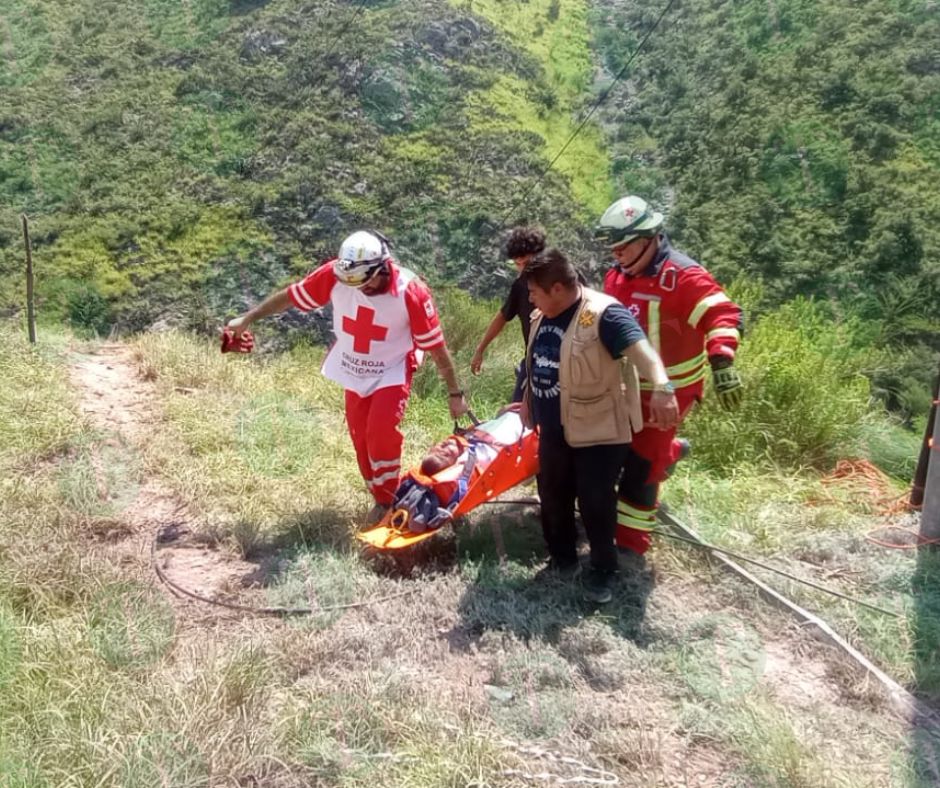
[[361, 255], [628, 218]]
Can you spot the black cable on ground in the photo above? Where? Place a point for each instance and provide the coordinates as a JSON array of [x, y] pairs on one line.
[[533, 501], [306, 611], [769, 568], [265, 611]]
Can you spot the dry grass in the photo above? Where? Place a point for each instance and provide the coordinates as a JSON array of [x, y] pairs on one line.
[[468, 673]]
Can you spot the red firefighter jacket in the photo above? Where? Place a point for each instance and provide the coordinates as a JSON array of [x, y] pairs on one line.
[[683, 310]]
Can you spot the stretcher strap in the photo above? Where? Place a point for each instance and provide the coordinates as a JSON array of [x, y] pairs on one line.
[[463, 482]]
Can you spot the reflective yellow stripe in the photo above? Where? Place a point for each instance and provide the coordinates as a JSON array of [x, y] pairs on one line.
[[704, 305], [679, 383], [686, 366], [653, 325], [628, 508], [688, 380], [647, 515], [723, 332], [625, 521]]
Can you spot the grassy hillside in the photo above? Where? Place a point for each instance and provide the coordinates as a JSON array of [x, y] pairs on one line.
[[795, 143], [471, 672], [180, 160]]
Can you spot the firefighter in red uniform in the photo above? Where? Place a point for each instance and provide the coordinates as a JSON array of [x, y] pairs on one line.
[[384, 318], [690, 322]]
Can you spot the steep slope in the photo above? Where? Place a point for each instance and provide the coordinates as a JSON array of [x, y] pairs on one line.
[[794, 142], [183, 159]]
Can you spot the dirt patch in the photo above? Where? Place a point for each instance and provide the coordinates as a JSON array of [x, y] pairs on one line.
[[119, 403], [207, 569], [114, 398], [801, 680]]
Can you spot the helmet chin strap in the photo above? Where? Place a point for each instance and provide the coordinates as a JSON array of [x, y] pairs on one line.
[[380, 271], [645, 258]]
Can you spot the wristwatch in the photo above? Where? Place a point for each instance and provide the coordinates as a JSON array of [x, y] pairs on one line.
[[667, 387]]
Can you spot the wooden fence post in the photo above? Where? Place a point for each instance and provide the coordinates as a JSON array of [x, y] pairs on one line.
[[920, 474], [30, 305], [930, 514]]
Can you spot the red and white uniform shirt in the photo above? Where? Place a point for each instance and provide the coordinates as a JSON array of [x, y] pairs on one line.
[[378, 336], [684, 312]]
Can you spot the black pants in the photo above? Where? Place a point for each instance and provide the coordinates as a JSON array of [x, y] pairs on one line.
[[521, 375], [590, 474]]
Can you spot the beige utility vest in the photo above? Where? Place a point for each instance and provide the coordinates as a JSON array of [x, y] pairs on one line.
[[600, 395]]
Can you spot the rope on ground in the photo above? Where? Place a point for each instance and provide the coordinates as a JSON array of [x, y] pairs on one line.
[[911, 708], [917, 539], [540, 753], [391, 757], [263, 611], [796, 578], [865, 482]]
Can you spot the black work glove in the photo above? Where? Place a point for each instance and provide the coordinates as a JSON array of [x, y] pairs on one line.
[[728, 385]]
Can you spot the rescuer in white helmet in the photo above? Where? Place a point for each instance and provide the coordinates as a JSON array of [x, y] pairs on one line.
[[384, 319]]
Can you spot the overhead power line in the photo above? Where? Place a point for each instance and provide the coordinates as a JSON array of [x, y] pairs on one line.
[[600, 100], [360, 7]]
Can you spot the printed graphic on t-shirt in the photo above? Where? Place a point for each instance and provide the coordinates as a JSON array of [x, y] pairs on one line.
[[546, 368], [546, 354]]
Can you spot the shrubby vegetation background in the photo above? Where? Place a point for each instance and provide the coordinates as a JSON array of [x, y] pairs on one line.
[[798, 142], [181, 159]]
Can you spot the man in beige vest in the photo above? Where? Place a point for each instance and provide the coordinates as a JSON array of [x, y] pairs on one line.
[[584, 352]]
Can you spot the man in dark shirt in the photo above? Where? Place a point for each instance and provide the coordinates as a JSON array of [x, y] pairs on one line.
[[523, 244], [584, 411]]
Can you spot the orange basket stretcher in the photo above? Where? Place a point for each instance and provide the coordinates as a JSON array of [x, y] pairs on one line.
[[497, 455]]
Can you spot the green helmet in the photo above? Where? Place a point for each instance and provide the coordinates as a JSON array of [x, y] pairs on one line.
[[628, 218]]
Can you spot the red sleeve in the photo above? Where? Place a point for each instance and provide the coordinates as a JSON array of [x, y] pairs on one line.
[[710, 311], [313, 291], [425, 325]]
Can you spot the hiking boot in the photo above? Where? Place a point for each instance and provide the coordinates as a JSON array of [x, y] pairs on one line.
[[599, 586], [556, 570], [376, 513]]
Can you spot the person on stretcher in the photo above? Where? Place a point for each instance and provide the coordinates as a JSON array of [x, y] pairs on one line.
[[428, 495]]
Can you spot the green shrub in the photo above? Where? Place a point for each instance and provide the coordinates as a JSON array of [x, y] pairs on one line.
[[892, 447], [88, 310], [465, 321], [806, 398], [80, 304]]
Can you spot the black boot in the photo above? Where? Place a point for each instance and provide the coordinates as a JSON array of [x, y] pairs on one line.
[[599, 586]]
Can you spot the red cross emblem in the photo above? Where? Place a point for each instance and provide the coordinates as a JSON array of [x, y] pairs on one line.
[[364, 330], [628, 212]]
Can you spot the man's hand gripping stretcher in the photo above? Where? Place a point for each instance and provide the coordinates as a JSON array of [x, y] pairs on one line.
[[457, 475]]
